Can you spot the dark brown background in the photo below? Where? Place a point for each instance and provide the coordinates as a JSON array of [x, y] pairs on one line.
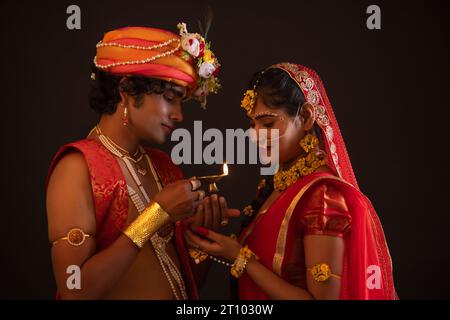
[[388, 88]]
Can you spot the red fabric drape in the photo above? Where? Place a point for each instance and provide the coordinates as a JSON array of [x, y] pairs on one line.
[[110, 195]]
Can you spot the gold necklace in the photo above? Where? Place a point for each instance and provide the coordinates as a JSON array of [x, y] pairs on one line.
[[304, 166], [99, 131], [136, 158]]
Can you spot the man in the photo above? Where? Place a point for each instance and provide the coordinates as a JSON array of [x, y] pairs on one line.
[[113, 205]]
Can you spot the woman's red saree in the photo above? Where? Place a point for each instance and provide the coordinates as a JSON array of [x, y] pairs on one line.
[[325, 204]]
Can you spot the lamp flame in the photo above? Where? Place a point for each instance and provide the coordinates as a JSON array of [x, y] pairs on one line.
[[225, 169]]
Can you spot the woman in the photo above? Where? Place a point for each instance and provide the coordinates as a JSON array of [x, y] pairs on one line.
[[311, 233]]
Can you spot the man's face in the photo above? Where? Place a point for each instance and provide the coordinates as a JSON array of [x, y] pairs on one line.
[[157, 114]]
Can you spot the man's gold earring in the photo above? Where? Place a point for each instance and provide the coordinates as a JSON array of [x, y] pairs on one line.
[[125, 115]]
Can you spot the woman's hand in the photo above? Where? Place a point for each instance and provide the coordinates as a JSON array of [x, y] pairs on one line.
[[212, 213], [219, 246]]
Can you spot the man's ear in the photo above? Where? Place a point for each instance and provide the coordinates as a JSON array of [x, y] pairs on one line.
[[308, 116], [122, 93]]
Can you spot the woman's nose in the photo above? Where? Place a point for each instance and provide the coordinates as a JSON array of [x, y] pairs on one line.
[[260, 135]]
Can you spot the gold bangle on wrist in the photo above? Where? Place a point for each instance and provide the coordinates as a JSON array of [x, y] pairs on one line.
[[239, 265], [149, 221], [322, 272]]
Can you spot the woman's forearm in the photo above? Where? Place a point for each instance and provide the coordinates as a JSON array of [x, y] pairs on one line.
[[274, 286]]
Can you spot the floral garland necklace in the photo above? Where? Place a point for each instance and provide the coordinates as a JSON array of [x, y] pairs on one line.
[[304, 166]]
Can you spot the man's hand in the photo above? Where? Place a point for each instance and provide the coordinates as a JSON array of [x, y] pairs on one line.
[[212, 213], [179, 200]]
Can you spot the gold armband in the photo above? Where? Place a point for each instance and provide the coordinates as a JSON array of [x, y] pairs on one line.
[[148, 222], [239, 265], [322, 272], [75, 237]]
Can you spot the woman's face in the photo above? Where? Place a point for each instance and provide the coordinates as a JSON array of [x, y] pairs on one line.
[[157, 115], [290, 131]]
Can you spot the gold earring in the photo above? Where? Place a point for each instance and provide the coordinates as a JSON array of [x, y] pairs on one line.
[[125, 116], [309, 142]]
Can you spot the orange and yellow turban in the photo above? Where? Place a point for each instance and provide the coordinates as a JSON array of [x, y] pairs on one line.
[[184, 59]]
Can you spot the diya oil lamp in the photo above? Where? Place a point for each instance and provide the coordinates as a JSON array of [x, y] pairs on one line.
[[212, 179]]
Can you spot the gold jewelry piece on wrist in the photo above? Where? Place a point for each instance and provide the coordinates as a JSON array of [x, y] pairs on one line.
[[75, 237], [239, 265], [322, 272], [148, 222]]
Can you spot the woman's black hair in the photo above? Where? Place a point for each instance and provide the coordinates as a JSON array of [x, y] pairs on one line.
[[277, 90], [105, 89]]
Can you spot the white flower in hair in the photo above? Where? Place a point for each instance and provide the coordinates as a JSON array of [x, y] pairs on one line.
[[191, 44], [206, 70]]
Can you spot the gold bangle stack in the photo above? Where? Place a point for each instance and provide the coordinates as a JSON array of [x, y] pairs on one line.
[[148, 222], [239, 265]]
